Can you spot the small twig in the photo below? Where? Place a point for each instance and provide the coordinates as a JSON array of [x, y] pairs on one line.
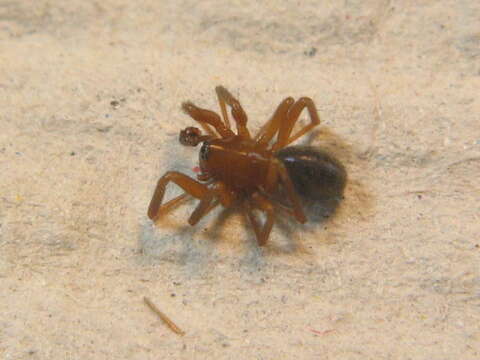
[[164, 317]]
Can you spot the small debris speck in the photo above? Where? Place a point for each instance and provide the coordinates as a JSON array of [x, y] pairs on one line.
[[311, 52], [104, 129]]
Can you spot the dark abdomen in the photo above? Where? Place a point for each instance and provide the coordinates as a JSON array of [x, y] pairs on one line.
[[315, 174]]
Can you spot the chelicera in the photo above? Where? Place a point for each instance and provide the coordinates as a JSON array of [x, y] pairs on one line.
[[258, 173]]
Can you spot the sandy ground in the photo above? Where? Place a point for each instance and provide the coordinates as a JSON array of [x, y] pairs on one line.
[[90, 95]]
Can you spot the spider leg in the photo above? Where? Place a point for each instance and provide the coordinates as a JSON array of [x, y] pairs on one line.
[[285, 129], [278, 170], [207, 204], [206, 118], [268, 131], [279, 204], [239, 115], [173, 203], [223, 107], [260, 202], [216, 195], [189, 185]]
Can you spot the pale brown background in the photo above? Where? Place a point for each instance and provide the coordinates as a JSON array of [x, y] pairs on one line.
[[90, 95]]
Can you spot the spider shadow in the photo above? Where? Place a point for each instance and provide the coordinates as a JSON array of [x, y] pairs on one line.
[[194, 249], [357, 201], [179, 247], [333, 143], [287, 242], [291, 240], [174, 243], [214, 231]]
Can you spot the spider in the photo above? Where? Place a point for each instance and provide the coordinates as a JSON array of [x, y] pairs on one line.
[[259, 174]]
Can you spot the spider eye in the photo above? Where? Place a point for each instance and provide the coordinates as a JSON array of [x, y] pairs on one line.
[[190, 136]]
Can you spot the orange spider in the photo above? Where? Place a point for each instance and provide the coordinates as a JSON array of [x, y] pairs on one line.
[[253, 173]]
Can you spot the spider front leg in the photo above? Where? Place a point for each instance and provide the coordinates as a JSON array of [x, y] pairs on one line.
[[209, 197], [239, 115], [189, 185]]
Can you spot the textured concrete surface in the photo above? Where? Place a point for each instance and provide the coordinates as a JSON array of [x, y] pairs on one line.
[[90, 95]]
